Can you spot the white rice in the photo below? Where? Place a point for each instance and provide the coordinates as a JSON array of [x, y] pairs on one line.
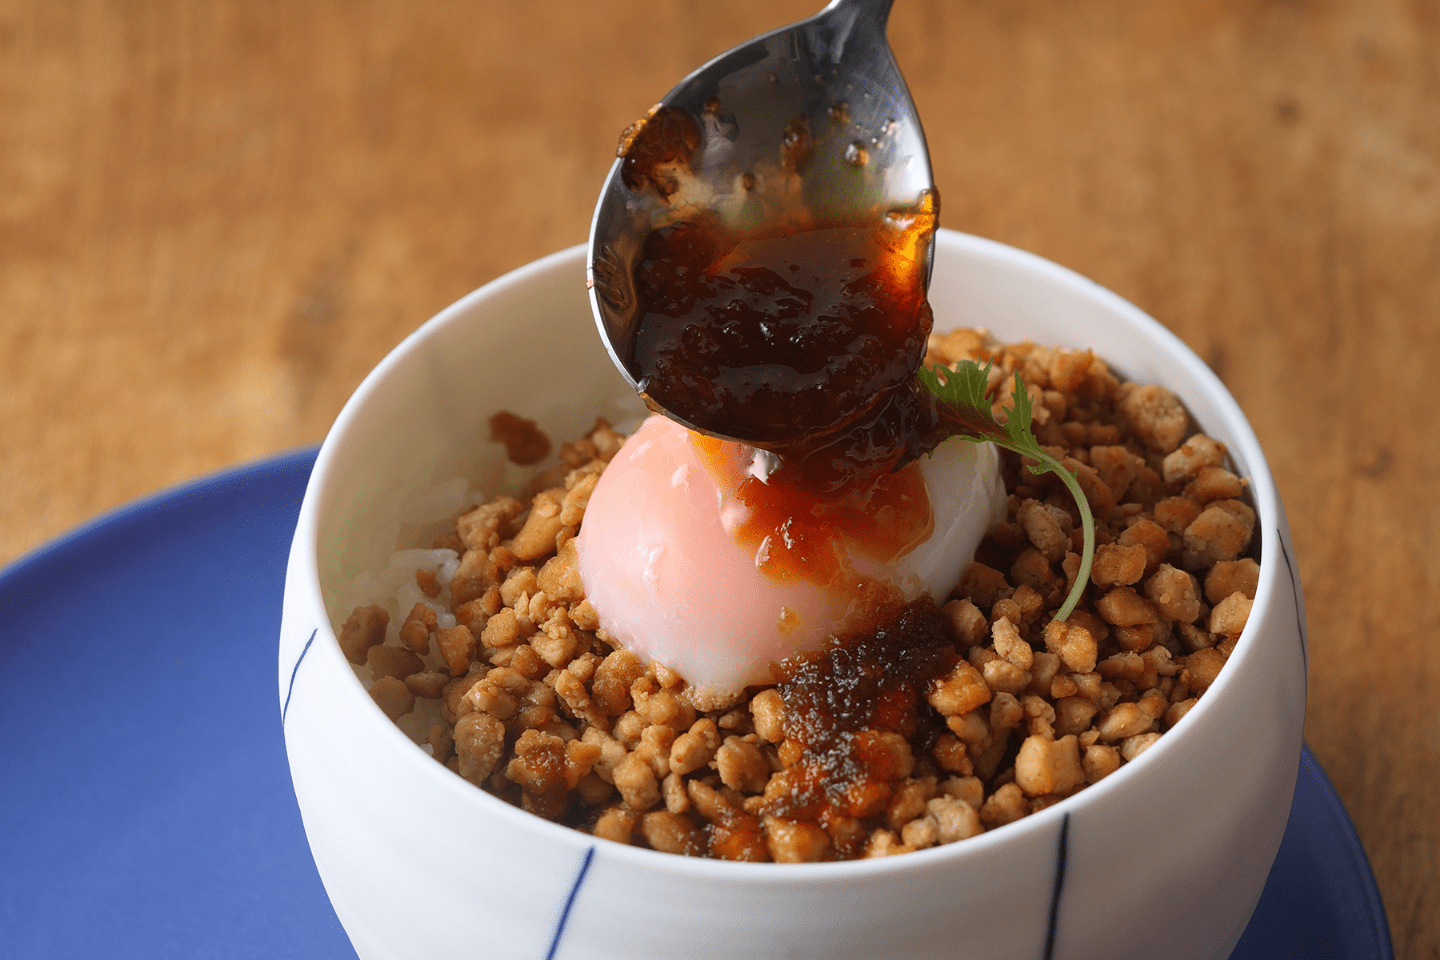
[[423, 517]]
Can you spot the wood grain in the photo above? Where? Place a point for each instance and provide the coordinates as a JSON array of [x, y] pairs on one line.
[[216, 217]]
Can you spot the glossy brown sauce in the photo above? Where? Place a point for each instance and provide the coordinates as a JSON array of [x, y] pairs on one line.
[[839, 703], [656, 148], [803, 342]]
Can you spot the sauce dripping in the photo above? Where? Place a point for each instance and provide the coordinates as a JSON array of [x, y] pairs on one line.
[[798, 535], [804, 339]]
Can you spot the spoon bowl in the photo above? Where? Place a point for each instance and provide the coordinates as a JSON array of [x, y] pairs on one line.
[[808, 124]]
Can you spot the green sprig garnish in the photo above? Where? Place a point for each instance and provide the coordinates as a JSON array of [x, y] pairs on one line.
[[964, 406]]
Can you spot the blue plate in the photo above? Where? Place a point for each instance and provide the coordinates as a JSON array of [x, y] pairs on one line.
[[145, 802]]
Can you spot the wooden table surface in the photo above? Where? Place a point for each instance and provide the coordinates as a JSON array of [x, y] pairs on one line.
[[216, 217]]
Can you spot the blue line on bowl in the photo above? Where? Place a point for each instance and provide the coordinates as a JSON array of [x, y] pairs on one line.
[[1295, 589], [570, 902], [291, 689], [1061, 853]]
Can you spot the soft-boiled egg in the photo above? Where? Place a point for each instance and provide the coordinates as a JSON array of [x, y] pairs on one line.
[[676, 575]]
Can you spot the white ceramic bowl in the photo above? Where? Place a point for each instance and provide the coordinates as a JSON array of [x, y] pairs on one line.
[[1166, 857]]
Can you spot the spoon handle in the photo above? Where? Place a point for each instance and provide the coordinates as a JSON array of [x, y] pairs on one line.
[[877, 11]]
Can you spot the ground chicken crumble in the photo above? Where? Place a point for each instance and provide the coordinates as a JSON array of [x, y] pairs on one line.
[[536, 706]]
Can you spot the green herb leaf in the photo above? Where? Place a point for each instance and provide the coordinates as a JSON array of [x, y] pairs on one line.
[[964, 406]]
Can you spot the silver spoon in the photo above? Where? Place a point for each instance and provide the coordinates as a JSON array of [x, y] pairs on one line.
[[864, 151]]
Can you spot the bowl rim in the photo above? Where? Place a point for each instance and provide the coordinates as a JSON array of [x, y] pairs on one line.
[[948, 243]]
